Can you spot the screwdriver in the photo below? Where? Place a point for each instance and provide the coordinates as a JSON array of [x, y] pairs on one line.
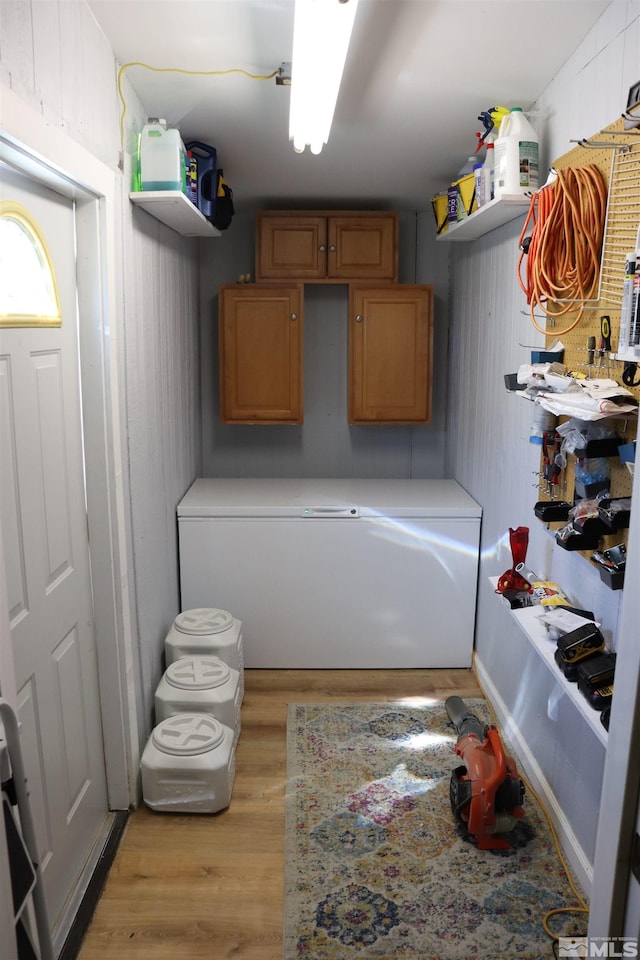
[[605, 340], [591, 350]]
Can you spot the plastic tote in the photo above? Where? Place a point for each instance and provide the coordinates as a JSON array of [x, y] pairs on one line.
[[516, 156]]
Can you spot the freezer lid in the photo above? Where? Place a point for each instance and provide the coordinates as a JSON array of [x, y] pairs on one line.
[[326, 498]]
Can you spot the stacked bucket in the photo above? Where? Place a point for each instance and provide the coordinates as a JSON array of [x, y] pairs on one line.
[[188, 763]]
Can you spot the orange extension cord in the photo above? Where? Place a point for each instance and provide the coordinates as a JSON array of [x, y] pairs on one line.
[[563, 258]]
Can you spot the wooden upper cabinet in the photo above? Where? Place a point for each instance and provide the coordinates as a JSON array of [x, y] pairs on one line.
[[390, 354], [326, 247], [260, 341]]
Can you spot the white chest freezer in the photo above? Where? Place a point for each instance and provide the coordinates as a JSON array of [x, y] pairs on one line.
[[334, 573]]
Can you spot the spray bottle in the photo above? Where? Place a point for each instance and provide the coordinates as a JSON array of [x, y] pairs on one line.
[[488, 174]]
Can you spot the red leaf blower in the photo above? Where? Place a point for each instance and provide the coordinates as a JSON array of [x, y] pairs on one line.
[[487, 792]]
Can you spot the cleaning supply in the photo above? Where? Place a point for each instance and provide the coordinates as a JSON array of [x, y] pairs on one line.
[[477, 176], [516, 156], [162, 158], [488, 175]]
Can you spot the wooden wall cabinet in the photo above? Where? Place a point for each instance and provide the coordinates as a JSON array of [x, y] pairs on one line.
[[390, 354], [260, 337], [326, 247]]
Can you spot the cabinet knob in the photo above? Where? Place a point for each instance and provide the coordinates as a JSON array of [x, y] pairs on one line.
[[333, 248], [294, 316], [323, 248], [358, 318]]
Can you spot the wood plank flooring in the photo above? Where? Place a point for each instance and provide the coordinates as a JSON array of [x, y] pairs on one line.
[[208, 887]]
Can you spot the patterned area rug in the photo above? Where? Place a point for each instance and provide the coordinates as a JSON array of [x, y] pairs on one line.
[[378, 868]]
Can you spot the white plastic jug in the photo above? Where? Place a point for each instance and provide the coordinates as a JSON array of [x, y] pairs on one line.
[[162, 158], [516, 156]]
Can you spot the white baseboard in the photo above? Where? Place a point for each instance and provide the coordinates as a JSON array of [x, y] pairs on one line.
[[576, 857]]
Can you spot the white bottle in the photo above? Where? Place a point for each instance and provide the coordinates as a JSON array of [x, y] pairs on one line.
[[488, 174], [477, 176], [516, 156], [162, 158]]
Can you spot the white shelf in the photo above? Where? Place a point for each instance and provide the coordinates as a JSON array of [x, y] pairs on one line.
[[536, 634], [487, 218], [175, 210]]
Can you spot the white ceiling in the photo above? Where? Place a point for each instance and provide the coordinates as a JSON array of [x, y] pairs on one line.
[[418, 73]]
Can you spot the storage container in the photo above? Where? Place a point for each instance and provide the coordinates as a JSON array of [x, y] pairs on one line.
[[439, 207], [207, 176], [207, 631], [516, 157], [188, 765], [200, 685], [163, 163], [462, 198]]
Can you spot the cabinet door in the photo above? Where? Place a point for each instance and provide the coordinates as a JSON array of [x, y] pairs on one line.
[[260, 344], [390, 354], [363, 248], [291, 247]]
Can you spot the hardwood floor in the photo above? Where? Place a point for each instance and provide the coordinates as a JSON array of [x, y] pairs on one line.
[[207, 887]]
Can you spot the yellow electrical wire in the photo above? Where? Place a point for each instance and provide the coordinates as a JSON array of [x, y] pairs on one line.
[[191, 73], [583, 908]]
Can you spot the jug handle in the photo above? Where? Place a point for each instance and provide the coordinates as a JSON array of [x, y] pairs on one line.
[[504, 126]]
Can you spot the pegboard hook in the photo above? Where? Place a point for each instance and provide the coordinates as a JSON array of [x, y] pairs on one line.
[[602, 144]]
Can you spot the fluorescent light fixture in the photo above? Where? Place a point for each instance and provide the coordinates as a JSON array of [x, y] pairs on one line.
[[321, 33]]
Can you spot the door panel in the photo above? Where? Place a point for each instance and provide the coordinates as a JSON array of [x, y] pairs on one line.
[[390, 354], [260, 338], [44, 529], [364, 247], [290, 248]]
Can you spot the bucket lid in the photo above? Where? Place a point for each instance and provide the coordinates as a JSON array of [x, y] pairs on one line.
[[188, 734], [203, 620], [197, 673]]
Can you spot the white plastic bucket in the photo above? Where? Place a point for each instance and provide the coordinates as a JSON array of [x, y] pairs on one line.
[[188, 765], [207, 631], [516, 157], [200, 685]]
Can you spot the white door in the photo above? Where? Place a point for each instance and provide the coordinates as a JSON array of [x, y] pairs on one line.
[[43, 521]]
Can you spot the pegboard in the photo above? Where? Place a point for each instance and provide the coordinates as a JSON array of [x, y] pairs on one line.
[[616, 153]]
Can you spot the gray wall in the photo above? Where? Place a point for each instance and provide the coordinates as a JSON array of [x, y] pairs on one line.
[[324, 445]]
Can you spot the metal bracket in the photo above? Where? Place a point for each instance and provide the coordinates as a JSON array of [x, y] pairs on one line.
[[283, 76]]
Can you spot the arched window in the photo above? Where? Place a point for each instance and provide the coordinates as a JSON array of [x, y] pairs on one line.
[[28, 290]]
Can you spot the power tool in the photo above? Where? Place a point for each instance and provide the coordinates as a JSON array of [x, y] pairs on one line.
[[487, 792]]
